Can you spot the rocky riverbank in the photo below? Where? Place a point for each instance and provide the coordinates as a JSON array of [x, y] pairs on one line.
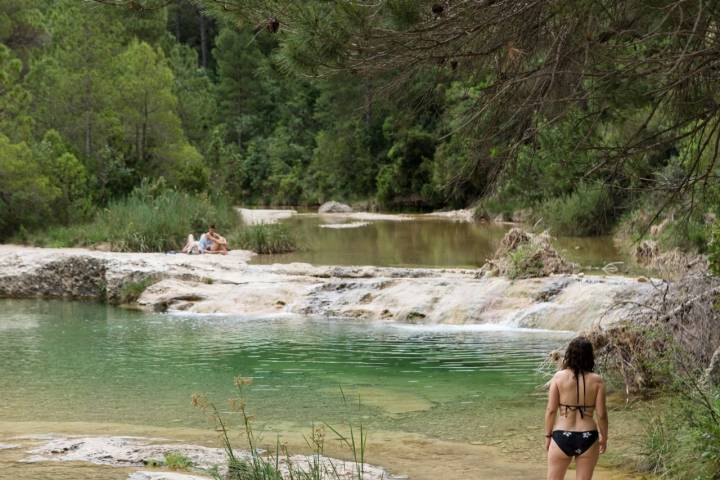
[[208, 284], [140, 455]]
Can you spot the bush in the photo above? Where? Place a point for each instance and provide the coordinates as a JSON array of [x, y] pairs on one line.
[[264, 238], [684, 442], [177, 461], [131, 291], [589, 210], [150, 219], [526, 262], [714, 249], [687, 234]]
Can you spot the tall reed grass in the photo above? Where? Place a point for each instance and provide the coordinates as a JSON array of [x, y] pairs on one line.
[[279, 465], [146, 221]]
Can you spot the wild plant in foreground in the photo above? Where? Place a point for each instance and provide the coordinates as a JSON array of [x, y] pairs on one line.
[[280, 464]]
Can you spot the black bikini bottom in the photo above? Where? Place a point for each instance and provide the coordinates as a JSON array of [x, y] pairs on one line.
[[574, 443]]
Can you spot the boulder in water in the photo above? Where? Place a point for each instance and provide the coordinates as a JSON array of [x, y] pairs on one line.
[[334, 207], [526, 255]]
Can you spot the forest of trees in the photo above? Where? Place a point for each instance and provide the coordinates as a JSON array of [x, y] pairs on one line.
[[580, 113]]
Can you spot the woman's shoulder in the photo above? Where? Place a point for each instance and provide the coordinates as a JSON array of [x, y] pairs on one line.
[[566, 372]]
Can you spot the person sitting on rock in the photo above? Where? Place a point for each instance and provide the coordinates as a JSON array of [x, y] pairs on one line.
[[218, 244], [204, 243], [192, 246]]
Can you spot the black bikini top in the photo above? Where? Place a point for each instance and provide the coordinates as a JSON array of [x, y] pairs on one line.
[[580, 408]]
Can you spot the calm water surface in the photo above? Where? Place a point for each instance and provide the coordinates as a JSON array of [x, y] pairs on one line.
[[422, 241], [65, 361]]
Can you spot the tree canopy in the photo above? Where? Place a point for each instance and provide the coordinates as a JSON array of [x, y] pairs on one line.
[[513, 106]]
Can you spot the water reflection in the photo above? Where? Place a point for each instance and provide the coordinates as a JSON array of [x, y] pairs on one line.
[[421, 241]]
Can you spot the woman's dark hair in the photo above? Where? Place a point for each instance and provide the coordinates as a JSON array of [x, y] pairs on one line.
[[579, 356]]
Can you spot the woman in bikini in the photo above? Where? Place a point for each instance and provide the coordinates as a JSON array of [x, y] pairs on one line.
[[579, 395]]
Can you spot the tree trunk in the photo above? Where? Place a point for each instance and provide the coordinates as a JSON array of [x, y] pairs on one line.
[[368, 104], [88, 118], [144, 127], [137, 145], [178, 9], [203, 41]]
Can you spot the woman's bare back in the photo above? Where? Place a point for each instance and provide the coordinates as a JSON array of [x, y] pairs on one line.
[[577, 397]]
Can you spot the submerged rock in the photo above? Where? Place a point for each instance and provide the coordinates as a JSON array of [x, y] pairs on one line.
[[334, 207]]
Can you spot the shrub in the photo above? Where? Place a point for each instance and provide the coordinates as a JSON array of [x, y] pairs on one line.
[[177, 461], [131, 291], [687, 234], [264, 238], [683, 443], [525, 262], [589, 210]]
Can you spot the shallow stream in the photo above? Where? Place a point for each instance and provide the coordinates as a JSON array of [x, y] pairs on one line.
[[90, 368]]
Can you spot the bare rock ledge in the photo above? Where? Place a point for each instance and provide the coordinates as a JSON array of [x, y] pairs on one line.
[[209, 284]]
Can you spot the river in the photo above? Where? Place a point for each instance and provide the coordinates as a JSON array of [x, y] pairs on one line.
[[453, 401], [89, 368], [420, 241]]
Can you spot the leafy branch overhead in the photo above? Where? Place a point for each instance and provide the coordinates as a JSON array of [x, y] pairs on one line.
[[534, 61]]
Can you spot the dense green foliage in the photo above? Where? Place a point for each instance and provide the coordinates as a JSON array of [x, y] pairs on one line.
[[150, 219], [684, 442], [384, 103]]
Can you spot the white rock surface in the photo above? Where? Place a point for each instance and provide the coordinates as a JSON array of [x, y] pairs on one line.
[[138, 451], [256, 216], [228, 285], [340, 226], [120, 451], [143, 475], [334, 207], [463, 215], [369, 216]]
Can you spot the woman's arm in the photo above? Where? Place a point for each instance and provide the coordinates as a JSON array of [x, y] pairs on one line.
[[551, 411], [601, 416]]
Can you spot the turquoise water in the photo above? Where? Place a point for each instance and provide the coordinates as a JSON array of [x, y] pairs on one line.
[[66, 362]]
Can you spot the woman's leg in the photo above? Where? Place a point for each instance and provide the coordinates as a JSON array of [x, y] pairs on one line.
[[558, 462], [585, 463]]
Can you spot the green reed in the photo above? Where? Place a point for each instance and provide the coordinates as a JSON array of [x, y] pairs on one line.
[[268, 466]]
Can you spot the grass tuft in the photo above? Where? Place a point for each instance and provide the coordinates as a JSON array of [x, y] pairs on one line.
[[131, 291], [265, 238], [177, 461]]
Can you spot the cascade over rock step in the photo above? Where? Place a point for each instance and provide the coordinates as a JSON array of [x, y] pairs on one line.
[[209, 284]]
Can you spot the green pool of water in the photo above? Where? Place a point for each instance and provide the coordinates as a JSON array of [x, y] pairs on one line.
[[421, 242], [67, 362]]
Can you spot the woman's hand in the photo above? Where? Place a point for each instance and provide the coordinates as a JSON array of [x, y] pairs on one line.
[[603, 444], [547, 443]]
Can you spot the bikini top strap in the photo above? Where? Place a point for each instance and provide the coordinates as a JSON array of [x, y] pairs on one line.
[[581, 407]]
